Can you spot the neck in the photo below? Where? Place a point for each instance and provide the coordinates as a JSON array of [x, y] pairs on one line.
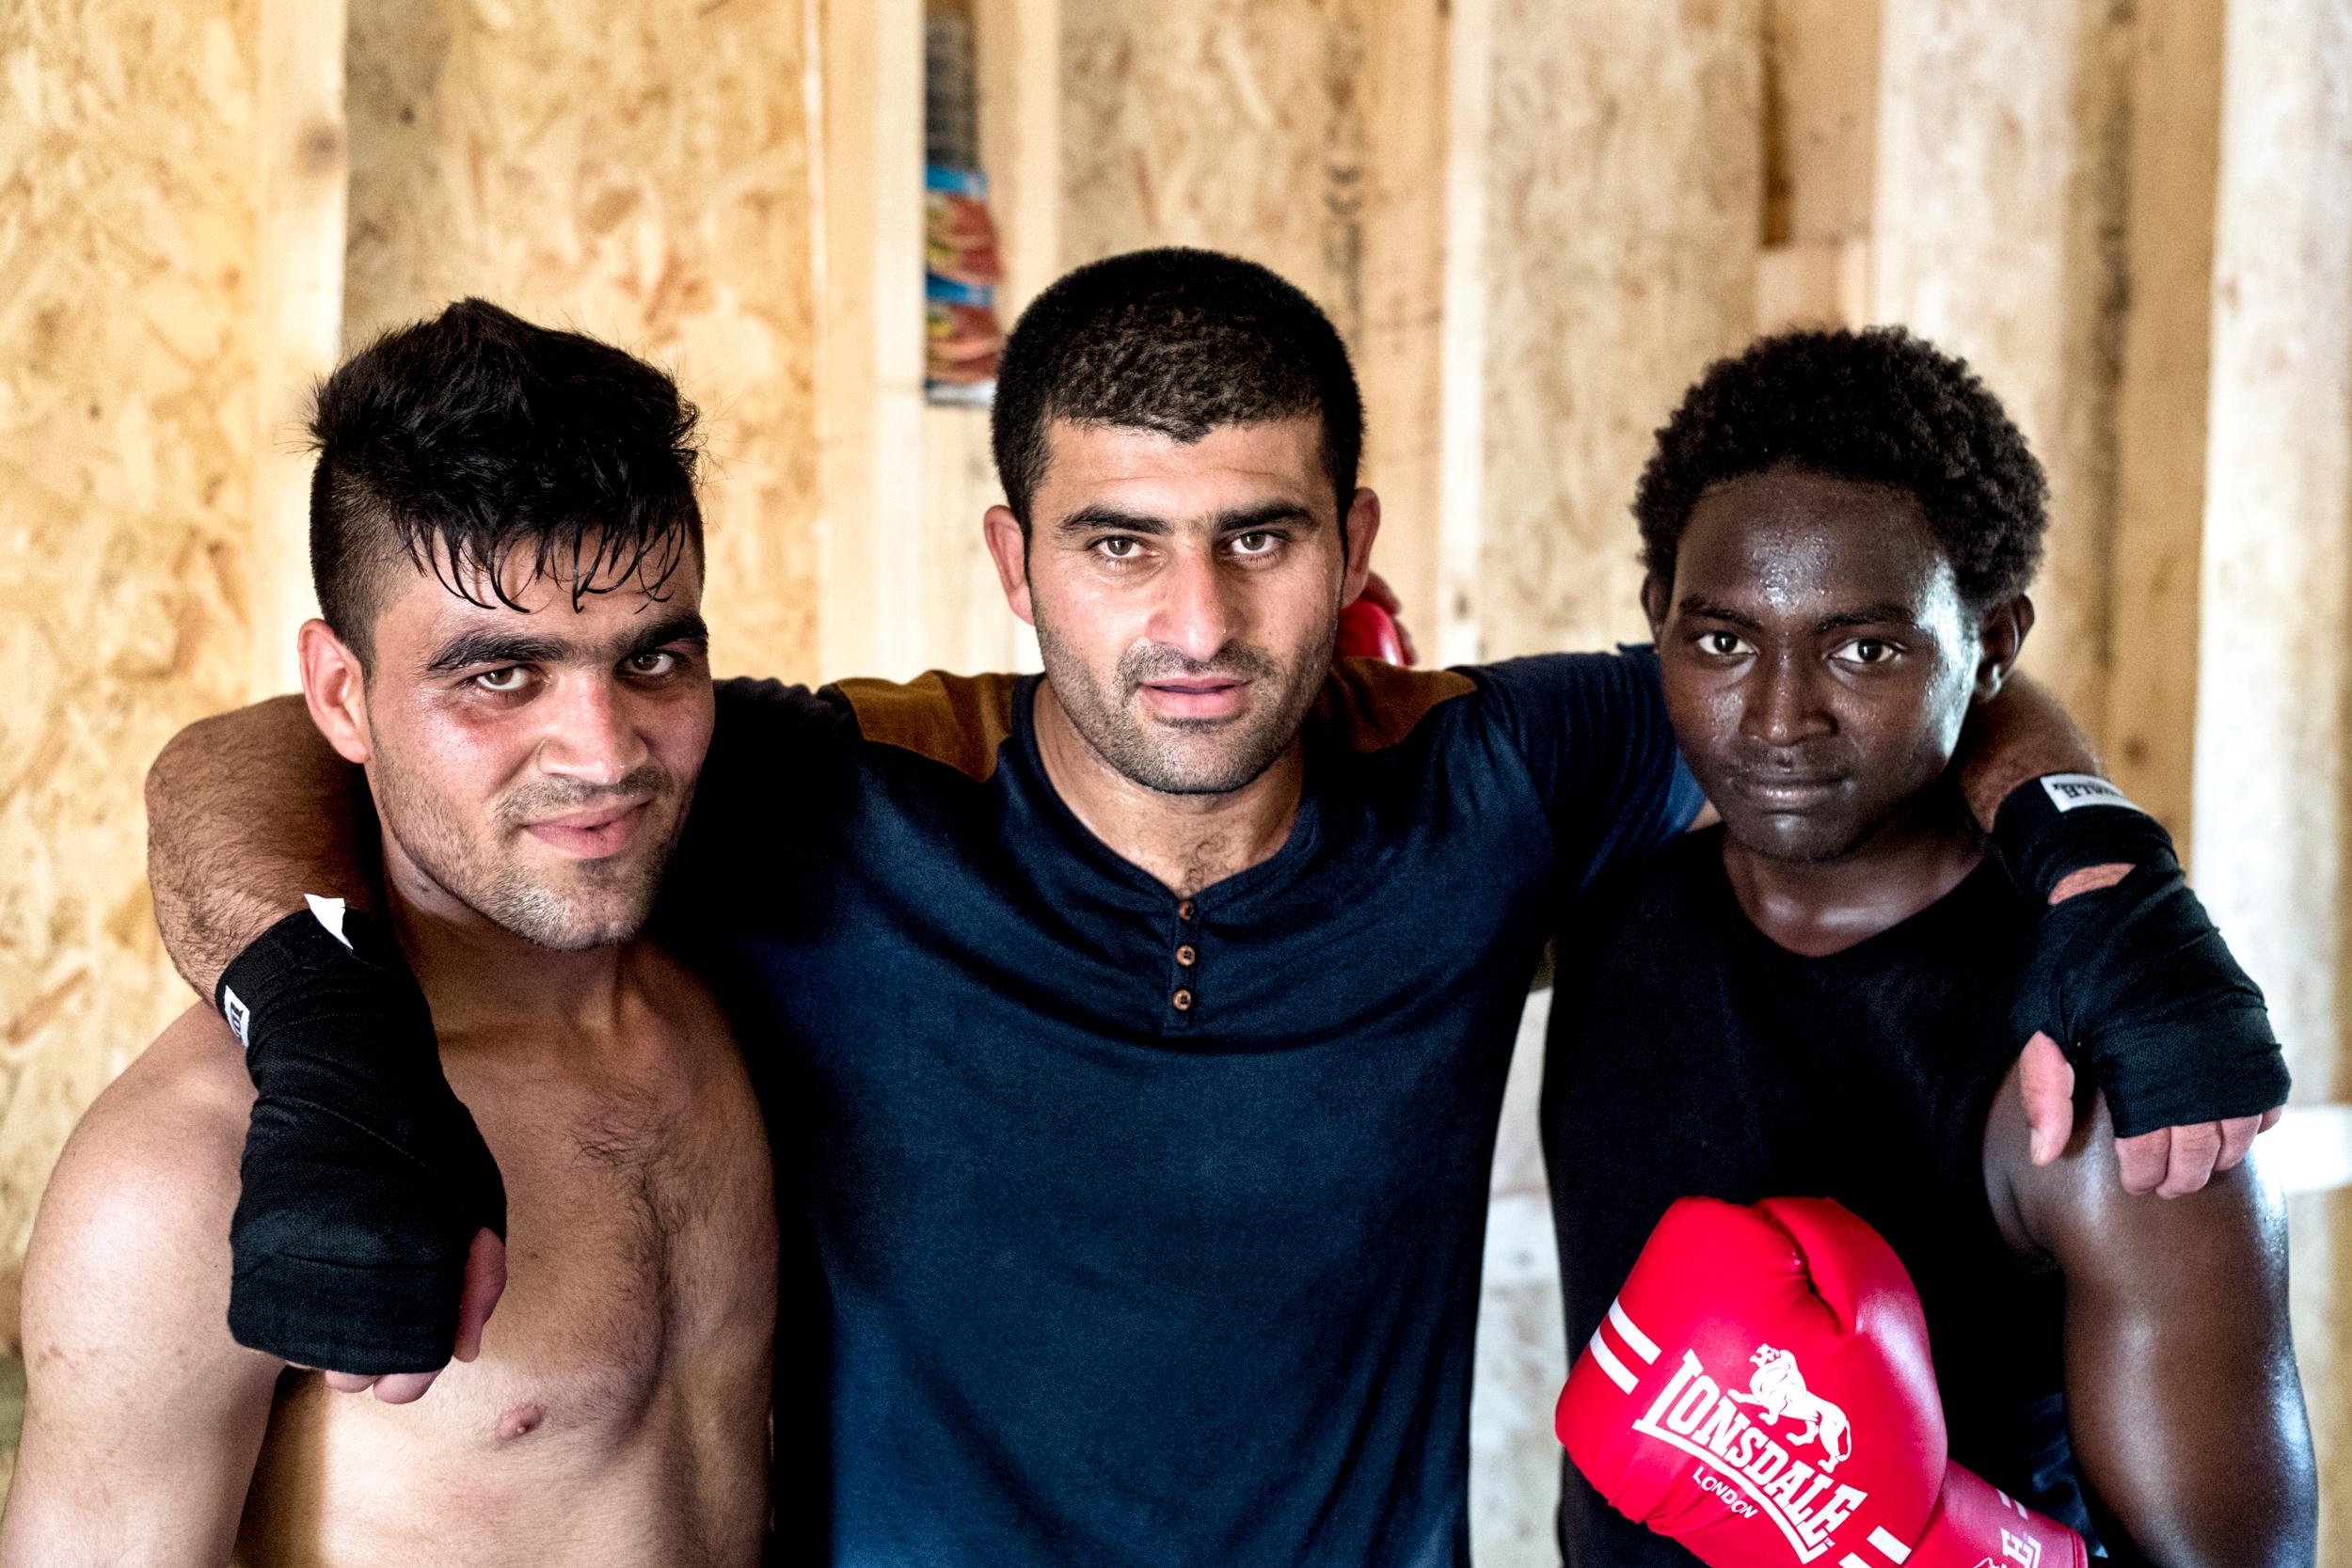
[[484, 982], [1821, 906], [1186, 842]]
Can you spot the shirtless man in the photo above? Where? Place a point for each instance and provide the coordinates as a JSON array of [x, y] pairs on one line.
[[509, 556]]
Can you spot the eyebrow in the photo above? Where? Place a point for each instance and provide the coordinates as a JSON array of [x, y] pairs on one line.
[[471, 649], [1089, 519], [1888, 613]]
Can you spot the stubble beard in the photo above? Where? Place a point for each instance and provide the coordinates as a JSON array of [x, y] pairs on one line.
[[1106, 719], [610, 899]]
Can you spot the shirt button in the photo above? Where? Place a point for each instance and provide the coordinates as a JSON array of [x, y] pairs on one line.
[[1183, 911], [1181, 1001], [1184, 954]]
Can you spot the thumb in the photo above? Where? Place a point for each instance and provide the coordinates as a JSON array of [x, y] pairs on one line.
[[485, 1281], [2045, 1079]]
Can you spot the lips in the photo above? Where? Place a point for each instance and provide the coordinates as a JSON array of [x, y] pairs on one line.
[[592, 834], [1786, 791], [1202, 697]]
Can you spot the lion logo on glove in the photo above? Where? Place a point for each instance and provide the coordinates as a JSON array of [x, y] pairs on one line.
[[1778, 1389]]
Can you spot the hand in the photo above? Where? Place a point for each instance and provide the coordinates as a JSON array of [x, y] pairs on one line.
[[1377, 591], [2170, 1162], [485, 1281]]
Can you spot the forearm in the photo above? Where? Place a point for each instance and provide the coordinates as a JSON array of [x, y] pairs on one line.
[[2021, 734], [247, 812]]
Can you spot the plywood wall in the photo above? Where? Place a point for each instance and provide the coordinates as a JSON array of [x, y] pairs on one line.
[[142, 371], [1222, 123], [1996, 232], [1621, 188], [641, 172]]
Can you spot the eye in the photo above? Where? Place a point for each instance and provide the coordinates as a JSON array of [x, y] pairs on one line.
[[1722, 644], [1119, 546], [1256, 541], [1869, 650], [507, 680], [653, 663]]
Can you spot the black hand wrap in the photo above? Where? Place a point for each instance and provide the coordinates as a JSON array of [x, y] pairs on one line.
[[364, 1177], [2133, 979]]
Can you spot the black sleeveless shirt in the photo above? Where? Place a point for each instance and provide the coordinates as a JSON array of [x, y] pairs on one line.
[[1691, 1055]]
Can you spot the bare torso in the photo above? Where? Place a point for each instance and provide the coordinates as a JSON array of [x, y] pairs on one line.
[[618, 1412]]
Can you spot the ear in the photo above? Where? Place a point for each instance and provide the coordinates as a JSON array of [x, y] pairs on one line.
[[2001, 637], [335, 685], [1363, 526], [1009, 547], [1655, 603]]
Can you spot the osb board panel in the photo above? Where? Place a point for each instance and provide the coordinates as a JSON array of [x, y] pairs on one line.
[[1622, 185], [1307, 135], [2277, 549], [128, 425], [1998, 234], [637, 171], [1223, 123]]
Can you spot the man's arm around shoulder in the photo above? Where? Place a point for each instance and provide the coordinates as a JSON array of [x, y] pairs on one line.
[[247, 812], [143, 1418], [2183, 1400]]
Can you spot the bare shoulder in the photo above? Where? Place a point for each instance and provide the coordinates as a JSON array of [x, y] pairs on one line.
[[137, 1212], [2076, 1211], [176, 1114]]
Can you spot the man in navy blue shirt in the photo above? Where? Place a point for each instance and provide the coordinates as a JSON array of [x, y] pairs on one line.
[[1131, 1036]]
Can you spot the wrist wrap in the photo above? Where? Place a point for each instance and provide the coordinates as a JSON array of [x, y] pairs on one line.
[[2133, 979], [363, 1178]]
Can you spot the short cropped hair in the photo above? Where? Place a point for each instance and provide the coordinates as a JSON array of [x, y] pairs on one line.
[[1179, 341], [1878, 406], [454, 443]]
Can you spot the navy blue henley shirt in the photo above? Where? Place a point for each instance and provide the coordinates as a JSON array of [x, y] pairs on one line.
[[1135, 1229]]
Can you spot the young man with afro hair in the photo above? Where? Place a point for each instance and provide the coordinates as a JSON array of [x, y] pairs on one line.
[[1813, 997]]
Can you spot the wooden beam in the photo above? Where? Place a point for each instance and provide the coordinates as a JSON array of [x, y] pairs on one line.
[[1821, 131], [2175, 156], [304, 180], [1400, 343], [870, 336]]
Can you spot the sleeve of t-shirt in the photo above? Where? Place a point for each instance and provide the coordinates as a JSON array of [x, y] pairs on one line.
[[774, 774], [1592, 729]]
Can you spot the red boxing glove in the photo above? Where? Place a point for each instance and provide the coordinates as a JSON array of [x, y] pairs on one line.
[[1368, 631], [1977, 1524], [1835, 1447]]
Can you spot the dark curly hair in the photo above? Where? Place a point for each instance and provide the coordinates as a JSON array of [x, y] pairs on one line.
[[1878, 406], [453, 444], [1175, 340]]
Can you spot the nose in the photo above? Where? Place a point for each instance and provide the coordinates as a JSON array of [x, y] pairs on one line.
[[592, 734], [1783, 706], [1197, 613]]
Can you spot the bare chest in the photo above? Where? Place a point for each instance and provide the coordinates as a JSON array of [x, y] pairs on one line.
[[622, 1385]]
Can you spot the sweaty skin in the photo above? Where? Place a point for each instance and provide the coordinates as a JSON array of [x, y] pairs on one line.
[[1819, 663], [532, 767]]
